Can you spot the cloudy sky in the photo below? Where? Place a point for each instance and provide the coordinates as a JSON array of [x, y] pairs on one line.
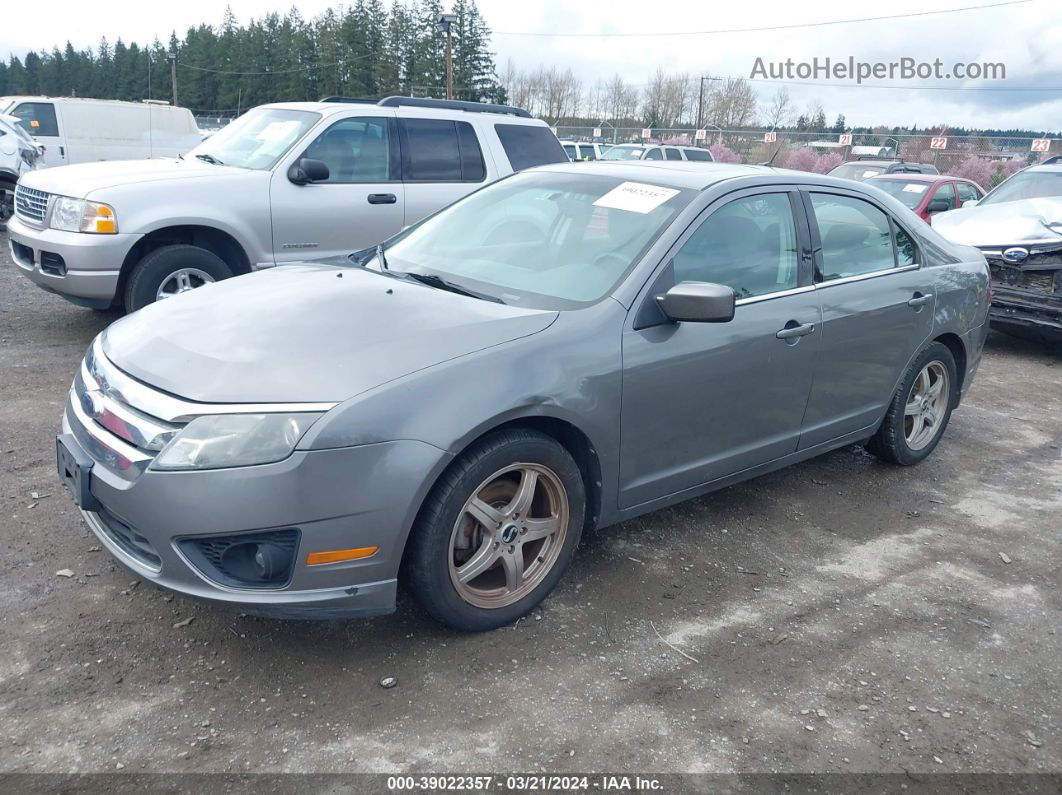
[[1027, 38]]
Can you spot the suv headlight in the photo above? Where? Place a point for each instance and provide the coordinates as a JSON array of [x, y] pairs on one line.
[[216, 441], [79, 215]]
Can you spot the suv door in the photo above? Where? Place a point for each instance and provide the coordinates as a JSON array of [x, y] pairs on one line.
[[360, 204], [441, 162], [41, 121], [877, 311], [705, 400]]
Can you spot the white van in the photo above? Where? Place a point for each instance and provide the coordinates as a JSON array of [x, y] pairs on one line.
[[85, 130]]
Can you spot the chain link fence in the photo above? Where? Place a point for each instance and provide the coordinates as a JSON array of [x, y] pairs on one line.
[[987, 156]]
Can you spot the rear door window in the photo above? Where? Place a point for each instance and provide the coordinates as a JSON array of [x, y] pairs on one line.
[[37, 118], [529, 145], [702, 155], [856, 236], [672, 153], [435, 150]]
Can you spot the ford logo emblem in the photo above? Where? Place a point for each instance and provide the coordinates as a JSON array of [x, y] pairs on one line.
[[1015, 255]]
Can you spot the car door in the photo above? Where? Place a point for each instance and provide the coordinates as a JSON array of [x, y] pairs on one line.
[[441, 161], [877, 311], [360, 204], [41, 121], [704, 400]]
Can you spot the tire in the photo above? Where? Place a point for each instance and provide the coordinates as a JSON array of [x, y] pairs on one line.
[[898, 440], [163, 265], [7, 203], [447, 537]]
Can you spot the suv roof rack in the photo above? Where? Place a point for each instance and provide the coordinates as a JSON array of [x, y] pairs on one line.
[[355, 100], [453, 104]]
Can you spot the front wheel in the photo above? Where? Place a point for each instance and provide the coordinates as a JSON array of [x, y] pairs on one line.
[[497, 532], [7, 203], [172, 270], [920, 409]]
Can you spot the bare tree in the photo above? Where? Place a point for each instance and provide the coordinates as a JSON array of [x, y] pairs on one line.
[[779, 111], [733, 104]]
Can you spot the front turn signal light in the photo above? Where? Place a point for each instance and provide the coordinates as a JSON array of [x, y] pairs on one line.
[[340, 555]]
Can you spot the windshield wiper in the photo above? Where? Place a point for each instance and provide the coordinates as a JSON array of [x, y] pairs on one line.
[[440, 283], [210, 159], [383, 257]]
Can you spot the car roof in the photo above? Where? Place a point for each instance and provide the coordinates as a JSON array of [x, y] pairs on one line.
[[1052, 168], [914, 176], [689, 175], [338, 108]]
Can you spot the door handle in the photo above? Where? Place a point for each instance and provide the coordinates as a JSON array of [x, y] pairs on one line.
[[793, 329], [920, 300], [382, 198]]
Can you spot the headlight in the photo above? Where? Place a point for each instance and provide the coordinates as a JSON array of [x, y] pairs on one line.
[[234, 440], [78, 215]]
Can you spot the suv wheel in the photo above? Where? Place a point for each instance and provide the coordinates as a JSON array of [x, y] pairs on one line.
[[497, 532], [7, 203], [920, 409], [171, 270]]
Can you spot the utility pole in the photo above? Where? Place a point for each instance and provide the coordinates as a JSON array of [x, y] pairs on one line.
[[445, 25], [700, 103], [173, 77]]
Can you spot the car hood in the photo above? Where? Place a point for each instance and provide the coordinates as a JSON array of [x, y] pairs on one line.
[[306, 333], [1007, 223], [80, 180]]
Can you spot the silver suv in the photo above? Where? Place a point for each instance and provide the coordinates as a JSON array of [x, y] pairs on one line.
[[658, 152], [283, 183]]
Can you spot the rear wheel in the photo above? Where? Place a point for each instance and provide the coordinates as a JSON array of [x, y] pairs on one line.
[[497, 531], [920, 409], [172, 270]]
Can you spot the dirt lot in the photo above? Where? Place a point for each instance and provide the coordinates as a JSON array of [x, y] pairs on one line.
[[842, 615]]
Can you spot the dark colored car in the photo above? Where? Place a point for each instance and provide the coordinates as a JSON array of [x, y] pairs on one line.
[[928, 194], [1018, 227], [860, 170]]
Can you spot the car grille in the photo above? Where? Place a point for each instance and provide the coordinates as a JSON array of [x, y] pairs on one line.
[[1041, 272], [31, 205]]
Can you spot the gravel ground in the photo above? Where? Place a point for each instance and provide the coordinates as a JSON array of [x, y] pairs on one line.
[[842, 615]]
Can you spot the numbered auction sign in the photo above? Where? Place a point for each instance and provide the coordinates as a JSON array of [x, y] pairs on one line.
[[770, 137], [1041, 145], [646, 133], [938, 143], [845, 139]]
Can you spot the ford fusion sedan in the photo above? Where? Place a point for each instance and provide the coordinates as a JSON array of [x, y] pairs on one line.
[[557, 352]]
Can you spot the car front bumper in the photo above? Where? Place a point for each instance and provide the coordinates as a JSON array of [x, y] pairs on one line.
[[343, 498], [82, 268], [1027, 312]]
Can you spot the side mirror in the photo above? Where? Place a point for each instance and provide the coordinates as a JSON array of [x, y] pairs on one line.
[[307, 170], [971, 202], [698, 302], [938, 206]]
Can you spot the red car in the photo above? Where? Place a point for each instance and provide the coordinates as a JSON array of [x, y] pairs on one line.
[[928, 194]]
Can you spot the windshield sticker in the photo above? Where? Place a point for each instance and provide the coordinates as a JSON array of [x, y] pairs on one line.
[[277, 130], [914, 188], [635, 197], [870, 174]]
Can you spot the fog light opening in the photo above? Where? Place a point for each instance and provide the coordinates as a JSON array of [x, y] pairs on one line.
[[257, 562]]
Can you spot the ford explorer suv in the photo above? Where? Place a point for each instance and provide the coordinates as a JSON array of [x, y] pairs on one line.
[[657, 152], [284, 182]]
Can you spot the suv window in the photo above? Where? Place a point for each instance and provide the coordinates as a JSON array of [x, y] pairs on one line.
[[357, 149], [586, 152], [699, 155], [37, 118], [653, 154], [673, 153], [438, 150], [571, 151], [856, 236], [528, 145], [967, 192], [749, 244]]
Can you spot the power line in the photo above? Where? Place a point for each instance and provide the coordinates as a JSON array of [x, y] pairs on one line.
[[763, 28]]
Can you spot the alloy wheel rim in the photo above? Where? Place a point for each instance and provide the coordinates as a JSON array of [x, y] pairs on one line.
[[926, 405], [508, 535], [181, 281]]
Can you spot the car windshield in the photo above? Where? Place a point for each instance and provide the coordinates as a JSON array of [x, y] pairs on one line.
[[256, 140], [910, 193], [856, 171], [623, 153], [544, 240], [1027, 185]]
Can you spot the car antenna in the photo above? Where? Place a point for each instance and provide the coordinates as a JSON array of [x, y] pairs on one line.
[[770, 162]]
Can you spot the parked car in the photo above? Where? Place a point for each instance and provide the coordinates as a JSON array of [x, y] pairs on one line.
[[73, 130], [584, 150], [1018, 227], [928, 194], [279, 184], [562, 350], [18, 154], [657, 152], [860, 170]]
